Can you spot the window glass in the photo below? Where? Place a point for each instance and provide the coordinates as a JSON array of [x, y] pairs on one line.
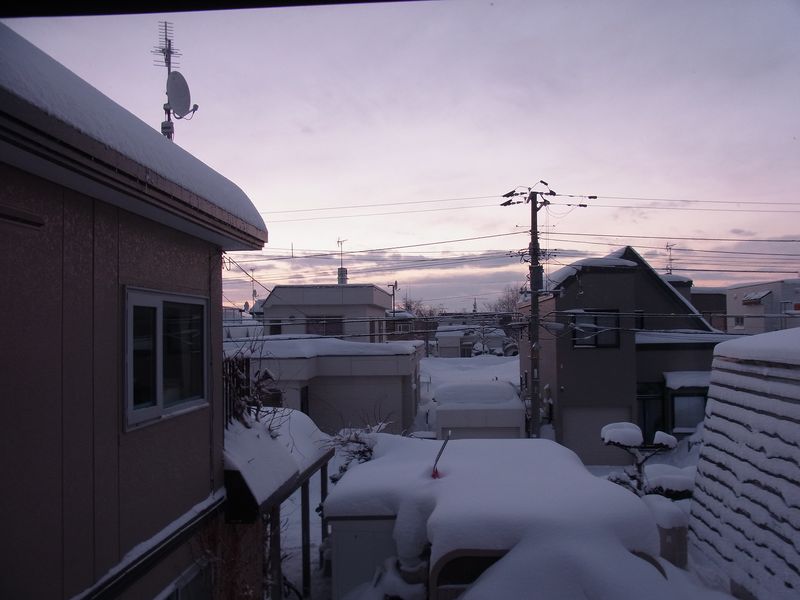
[[183, 352], [165, 353], [144, 356], [584, 330], [689, 412]]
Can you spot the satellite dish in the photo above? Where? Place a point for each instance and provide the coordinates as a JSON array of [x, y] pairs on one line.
[[178, 94]]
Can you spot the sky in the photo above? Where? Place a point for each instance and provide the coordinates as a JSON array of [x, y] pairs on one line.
[[382, 136]]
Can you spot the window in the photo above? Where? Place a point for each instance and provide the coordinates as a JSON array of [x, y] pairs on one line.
[[688, 412], [275, 327], [166, 354], [596, 329], [325, 326], [738, 322], [403, 327]]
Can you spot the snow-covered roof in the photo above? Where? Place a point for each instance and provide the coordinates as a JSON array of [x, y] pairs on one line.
[[790, 281], [557, 278], [681, 336], [454, 330], [673, 278], [492, 494], [676, 380], [273, 451], [38, 80], [310, 346], [777, 346], [755, 297], [399, 314]]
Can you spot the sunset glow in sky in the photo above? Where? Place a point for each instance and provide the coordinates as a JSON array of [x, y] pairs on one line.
[[396, 127]]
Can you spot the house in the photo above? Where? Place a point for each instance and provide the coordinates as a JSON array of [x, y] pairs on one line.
[[762, 307], [339, 384], [612, 331], [112, 414], [350, 311], [744, 512]]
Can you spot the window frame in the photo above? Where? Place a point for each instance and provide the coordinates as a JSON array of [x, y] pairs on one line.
[[584, 340], [325, 325], [139, 297]]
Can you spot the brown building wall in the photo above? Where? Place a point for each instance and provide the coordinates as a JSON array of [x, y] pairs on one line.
[[81, 491]]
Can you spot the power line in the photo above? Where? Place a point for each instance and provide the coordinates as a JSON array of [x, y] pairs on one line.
[[677, 208], [327, 208], [672, 237], [496, 196]]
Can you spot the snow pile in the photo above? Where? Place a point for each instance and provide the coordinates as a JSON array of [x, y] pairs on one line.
[[505, 490], [563, 532], [583, 565], [669, 480], [676, 380], [388, 583], [667, 513], [476, 395], [664, 439], [780, 347], [622, 434], [440, 373], [273, 451], [745, 514]]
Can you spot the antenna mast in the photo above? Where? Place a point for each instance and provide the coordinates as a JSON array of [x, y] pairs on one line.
[[177, 90], [341, 271]]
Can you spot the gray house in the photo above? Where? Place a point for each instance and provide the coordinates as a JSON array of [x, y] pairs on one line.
[[112, 418], [618, 343], [351, 311], [765, 306]]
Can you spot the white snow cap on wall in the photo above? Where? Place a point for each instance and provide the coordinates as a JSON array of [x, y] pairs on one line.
[[38, 79], [777, 346]]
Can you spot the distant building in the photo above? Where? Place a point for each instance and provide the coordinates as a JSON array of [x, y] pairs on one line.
[[762, 307], [339, 384], [353, 312]]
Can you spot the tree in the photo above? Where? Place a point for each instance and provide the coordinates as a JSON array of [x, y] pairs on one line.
[[419, 309], [506, 303]]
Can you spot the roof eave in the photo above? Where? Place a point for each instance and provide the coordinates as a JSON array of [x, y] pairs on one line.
[[49, 148]]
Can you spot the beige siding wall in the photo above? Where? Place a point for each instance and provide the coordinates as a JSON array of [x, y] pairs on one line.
[[80, 491]]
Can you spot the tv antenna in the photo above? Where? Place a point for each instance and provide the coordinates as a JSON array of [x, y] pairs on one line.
[[178, 98], [340, 242]]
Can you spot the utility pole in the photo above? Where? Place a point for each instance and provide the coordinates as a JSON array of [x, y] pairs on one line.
[[394, 287], [535, 271]]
